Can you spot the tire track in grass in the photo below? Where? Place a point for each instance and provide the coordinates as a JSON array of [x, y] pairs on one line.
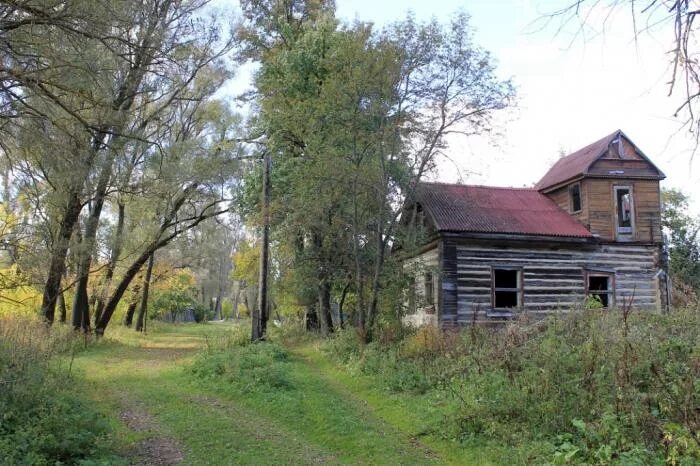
[[426, 453], [174, 421]]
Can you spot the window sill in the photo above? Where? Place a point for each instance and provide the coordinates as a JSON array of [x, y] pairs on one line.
[[500, 313]]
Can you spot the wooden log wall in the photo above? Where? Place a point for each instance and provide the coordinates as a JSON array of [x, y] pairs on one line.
[[646, 203], [598, 207], [417, 266], [552, 279]]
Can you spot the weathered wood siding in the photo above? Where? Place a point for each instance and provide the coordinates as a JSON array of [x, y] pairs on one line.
[[601, 208], [553, 279], [562, 198], [417, 266], [628, 167]]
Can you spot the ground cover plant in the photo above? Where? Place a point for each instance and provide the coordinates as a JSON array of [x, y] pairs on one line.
[[43, 420], [590, 387]]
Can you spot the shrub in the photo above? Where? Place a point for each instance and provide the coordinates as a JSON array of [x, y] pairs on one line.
[[249, 367], [42, 421], [599, 386], [202, 313]]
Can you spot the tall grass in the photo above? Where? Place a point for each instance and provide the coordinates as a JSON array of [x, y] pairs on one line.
[[596, 386], [42, 419]]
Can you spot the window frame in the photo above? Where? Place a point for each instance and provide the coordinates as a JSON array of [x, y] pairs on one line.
[[519, 290], [611, 285], [429, 288], [571, 198], [624, 232]]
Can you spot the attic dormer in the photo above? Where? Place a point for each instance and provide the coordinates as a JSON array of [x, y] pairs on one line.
[[611, 187]]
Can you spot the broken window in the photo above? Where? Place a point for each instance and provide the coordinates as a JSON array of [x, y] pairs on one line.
[[575, 195], [617, 148], [428, 280], [507, 288], [624, 209], [600, 287]]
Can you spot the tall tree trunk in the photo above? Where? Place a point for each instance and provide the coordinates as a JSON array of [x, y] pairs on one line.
[[376, 285], [81, 309], [141, 319], [62, 308], [343, 295], [359, 279], [324, 307], [311, 317], [131, 310], [217, 307], [236, 297], [161, 240], [260, 330], [57, 265], [113, 258]]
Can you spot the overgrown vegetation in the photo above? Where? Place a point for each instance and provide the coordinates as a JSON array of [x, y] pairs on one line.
[[591, 387], [43, 421]]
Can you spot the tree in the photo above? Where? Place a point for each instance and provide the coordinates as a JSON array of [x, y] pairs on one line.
[[683, 244], [354, 119], [96, 79], [676, 19]]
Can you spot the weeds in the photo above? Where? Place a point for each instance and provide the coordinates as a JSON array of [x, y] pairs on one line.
[[42, 420], [598, 386], [261, 366]]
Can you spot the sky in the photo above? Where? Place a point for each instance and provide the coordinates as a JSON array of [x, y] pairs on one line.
[[573, 89]]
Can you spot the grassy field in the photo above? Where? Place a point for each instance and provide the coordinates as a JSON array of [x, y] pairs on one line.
[[159, 412], [588, 388]]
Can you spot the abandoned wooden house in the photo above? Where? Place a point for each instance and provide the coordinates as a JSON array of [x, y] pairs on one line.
[[591, 227]]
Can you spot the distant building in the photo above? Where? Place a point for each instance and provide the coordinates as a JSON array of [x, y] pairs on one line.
[[591, 227]]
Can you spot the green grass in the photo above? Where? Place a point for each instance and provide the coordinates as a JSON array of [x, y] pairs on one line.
[[418, 415], [318, 420]]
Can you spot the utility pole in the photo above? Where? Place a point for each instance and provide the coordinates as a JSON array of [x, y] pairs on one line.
[[260, 320]]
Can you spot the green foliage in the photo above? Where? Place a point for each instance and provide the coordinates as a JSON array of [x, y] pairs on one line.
[[684, 249], [202, 313], [246, 263], [248, 367], [42, 421], [355, 117], [598, 387], [176, 292]]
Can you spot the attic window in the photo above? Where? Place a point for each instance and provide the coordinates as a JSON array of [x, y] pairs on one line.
[[575, 197], [507, 288], [617, 148]]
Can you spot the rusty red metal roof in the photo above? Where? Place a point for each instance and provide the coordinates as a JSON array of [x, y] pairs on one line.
[[576, 163], [484, 209]]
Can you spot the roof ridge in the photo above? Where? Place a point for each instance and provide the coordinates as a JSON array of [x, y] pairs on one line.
[[512, 188]]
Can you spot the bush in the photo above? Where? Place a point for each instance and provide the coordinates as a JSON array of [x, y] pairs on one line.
[[202, 313], [598, 386], [248, 367], [42, 421]]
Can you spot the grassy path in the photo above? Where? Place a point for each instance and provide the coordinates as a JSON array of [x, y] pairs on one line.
[[161, 416]]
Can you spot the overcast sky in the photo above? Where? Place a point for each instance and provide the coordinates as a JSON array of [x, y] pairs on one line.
[[571, 90]]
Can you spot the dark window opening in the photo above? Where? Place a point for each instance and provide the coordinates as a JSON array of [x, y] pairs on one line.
[[600, 287], [506, 299], [575, 193], [624, 208], [428, 278], [506, 288]]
